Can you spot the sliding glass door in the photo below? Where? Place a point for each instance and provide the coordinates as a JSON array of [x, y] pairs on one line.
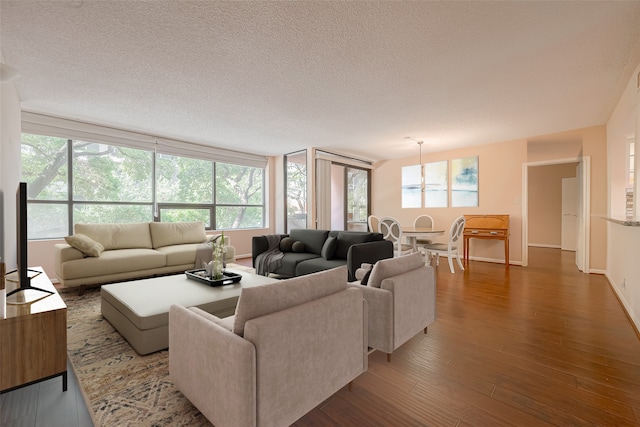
[[357, 195]]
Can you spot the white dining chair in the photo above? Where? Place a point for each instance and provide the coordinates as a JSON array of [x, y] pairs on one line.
[[392, 231], [451, 249], [423, 221], [373, 222]]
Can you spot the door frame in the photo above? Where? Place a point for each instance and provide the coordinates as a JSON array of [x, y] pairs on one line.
[[584, 246]]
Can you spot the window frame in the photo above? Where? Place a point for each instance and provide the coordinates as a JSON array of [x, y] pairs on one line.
[[155, 207]]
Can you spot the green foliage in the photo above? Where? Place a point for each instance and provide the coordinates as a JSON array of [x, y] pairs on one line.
[[357, 195], [296, 188], [181, 215], [110, 214], [108, 173], [44, 167], [238, 185], [183, 180]]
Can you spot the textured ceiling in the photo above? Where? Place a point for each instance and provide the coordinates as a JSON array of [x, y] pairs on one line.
[[351, 77]]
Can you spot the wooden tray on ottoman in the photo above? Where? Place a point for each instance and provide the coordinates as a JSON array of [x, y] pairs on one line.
[[200, 275]]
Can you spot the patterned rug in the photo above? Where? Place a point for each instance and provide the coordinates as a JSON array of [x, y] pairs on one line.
[[121, 387]]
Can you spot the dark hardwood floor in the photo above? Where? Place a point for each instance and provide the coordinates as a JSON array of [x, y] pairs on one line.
[[536, 346]]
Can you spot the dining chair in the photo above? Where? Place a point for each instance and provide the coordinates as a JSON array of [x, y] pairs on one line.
[[373, 222], [452, 248], [391, 230], [423, 221]]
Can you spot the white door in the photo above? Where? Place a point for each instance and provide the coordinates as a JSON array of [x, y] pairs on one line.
[[569, 240]]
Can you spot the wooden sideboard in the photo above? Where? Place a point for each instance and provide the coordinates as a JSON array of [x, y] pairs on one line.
[[486, 227], [33, 336]]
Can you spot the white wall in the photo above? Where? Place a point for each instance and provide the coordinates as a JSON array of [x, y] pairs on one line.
[[9, 170], [623, 242]]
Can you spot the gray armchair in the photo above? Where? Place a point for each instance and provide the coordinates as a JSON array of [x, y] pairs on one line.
[[401, 300], [289, 347]]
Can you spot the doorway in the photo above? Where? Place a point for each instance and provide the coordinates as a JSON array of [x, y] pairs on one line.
[[343, 195], [583, 217]]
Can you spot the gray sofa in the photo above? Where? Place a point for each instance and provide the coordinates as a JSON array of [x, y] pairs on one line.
[[322, 250], [289, 347]]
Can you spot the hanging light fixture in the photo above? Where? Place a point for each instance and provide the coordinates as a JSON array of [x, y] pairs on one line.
[[421, 165]]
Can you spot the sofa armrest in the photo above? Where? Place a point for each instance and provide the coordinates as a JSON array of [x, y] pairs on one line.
[[414, 300], [307, 353], [259, 244], [62, 253], [213, 367], [368, 252], [380, 315]]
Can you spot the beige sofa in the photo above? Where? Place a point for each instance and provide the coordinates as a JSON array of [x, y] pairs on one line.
[[401, 300], [106, 253], [289, 347]]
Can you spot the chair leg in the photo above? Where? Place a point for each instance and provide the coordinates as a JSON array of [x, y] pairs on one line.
[[388, 357], [425, 329], [460, 262], [451, 263]]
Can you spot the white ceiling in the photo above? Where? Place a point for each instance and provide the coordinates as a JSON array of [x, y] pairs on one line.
[[352, 77]]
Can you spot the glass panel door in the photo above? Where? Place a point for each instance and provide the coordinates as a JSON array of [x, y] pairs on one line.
[[295, 165], [357, 195]]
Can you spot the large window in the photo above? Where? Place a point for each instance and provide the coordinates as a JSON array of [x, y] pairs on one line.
[[73, 181]]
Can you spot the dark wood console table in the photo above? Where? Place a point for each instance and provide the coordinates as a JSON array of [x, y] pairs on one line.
[[33, 336], [486, 227]]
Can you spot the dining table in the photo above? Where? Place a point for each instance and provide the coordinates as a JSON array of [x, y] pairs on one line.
[[412, 233]]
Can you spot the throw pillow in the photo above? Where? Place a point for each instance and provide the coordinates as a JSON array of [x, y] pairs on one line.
[[85, 244], [297, 246], [286, 244], [329, 248], [364, 267], [365, 280]]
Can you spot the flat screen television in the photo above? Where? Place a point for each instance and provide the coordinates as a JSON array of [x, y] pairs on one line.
[[23, 272]]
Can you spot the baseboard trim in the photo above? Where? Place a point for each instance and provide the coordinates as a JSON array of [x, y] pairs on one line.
[[635, 323]]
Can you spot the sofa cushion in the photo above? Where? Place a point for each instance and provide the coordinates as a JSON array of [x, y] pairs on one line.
[[85, 244], [176, 233], [348, 238], [180, 254], [317, 264], [118, 236], [289, 262], [329, 248], [114, 262], [312, 239], [298, 247], [389, 267], [261, 300]]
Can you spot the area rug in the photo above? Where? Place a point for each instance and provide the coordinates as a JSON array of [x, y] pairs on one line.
[[121, 387]]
